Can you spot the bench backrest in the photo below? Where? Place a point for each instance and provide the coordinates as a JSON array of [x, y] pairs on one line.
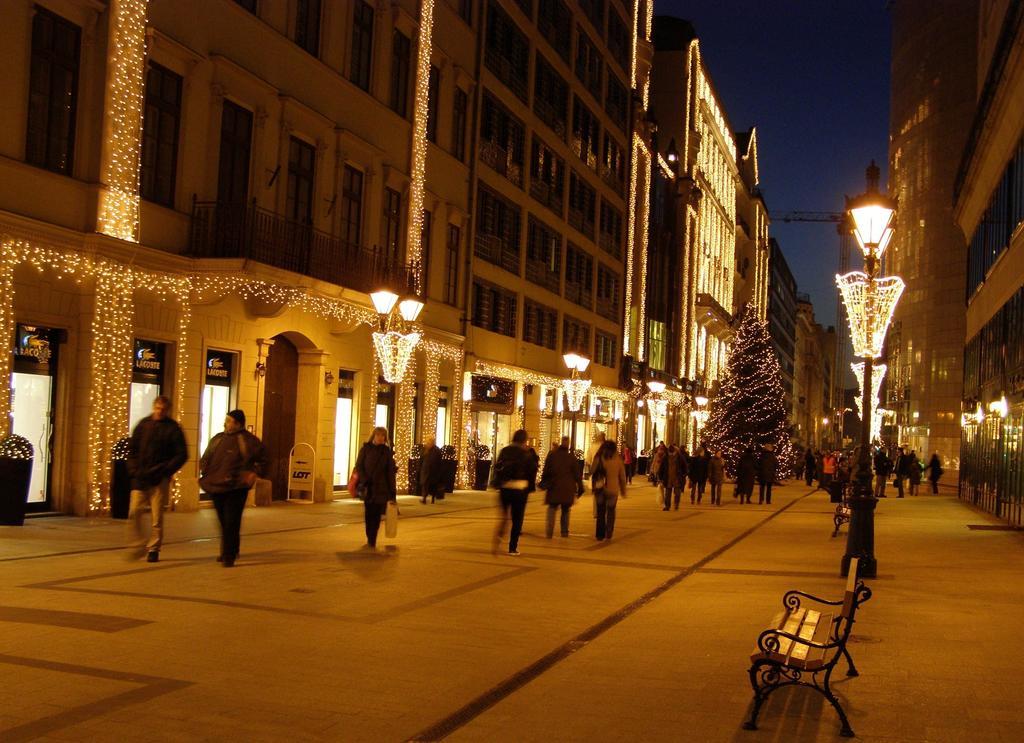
[[849, 598]]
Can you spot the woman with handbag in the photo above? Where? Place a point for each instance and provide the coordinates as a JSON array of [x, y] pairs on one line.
[[375, 476], [230, 466], [608, 480]]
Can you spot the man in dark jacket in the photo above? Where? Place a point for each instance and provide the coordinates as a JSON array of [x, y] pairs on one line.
[[431, 471], [810, 466], [563, 484], [155, 452], [232, 462], [902, 469], [766, 467], [515, 475], [746, 473], [883, 467]]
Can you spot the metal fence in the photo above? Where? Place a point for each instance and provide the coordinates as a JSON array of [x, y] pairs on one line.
[[992, 465]]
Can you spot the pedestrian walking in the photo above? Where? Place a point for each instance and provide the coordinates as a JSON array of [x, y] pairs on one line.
[[677, 475], [829, 461], [914, 472], [766, 467], [595, 446], [230, 466], [883, 468], [376, 471], [810, 467], [515, 475], [934, 469], [156, 451], [664, 484], [431, 483], [609, 484], [698, 473], [716, 476], [746, 473], [563, 484], [629, 459], [656, 461], [902, 469]]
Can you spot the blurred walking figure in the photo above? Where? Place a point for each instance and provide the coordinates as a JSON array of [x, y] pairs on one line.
[[232, 462], [155, 452], [914, 472], [883, 468], [766, 468], [657, 459], [677, 468], [609, 483], [810, 467], [515, 475], [698, 473], [629, 459], [934, 469], [716, 476], [902, 469], [562, 484], [376, 470], [829, 463], [431, 471], [746, 473], [595, 447]]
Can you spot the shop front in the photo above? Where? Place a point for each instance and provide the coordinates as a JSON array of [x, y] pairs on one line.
[[148, 370], [217, 398]]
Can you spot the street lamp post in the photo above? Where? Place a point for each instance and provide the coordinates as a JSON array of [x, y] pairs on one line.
[[870, 302], [575, 388]]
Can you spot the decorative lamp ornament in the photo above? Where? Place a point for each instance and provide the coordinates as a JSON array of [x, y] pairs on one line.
[[656, 387], [394, 351], [384, 301], [869, 308], [575, 391], [410, 309]]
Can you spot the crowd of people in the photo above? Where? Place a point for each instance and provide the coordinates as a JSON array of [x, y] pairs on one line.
[[675, 471], [899, 466]]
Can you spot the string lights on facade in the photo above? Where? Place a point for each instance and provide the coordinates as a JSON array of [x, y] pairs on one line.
[[417, 184], [870, 304], [877, 376], [125, 95]]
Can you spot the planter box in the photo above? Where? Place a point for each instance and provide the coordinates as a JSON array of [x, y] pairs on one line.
[[15, 476]]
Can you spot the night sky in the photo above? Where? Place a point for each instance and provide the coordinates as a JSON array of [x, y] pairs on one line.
[[813, 77]]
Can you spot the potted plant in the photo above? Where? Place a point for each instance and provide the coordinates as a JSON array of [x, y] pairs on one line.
[[482, 457], [449, 466], [121, 483], [415, 462], [15, 473]]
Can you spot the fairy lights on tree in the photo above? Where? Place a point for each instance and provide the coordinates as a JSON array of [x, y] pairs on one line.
[[748, 410]]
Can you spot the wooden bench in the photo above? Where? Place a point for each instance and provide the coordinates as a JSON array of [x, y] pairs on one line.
[[803, 644], [842, 515]]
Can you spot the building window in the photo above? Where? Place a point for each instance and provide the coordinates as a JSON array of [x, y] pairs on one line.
[[465, 10], [613, 164], [543, 255], [307, 25], [502, 138], [391, 236], [550, 97], [607, 293], [400, 60], [160, 135], [575, 336], [594, 10], [604, 349], [618, 39], [547, 176], [53, 94], [582, 204], [579, 277], [362, 44], [616, 102], [554, 21], [588, 63], [540, 324], [494, 309], [301, 164], [656, 345], [451, 265], [610, 238], [351, 206], [507, 51], [433, 91], [235, 151], [459, 112], [497, 232], [585, 133], [249, 5]]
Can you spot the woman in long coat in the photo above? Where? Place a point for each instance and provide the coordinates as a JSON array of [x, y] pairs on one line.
[[716, 476], [562, 484], [746, 471], [377, 470]]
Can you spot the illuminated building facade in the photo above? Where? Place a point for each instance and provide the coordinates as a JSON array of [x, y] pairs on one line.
[[932, 102], [989, 209], [753, 253]]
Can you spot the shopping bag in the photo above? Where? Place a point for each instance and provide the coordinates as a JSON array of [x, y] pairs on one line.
[[391, 520]]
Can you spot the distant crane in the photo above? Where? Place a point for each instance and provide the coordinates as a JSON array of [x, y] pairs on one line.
[[842, 356]]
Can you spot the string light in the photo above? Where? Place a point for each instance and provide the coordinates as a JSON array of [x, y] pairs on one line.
[[419, 141], [627, 325], [527, 376], [575, 390], [877, 375], [7, 264], [394, 350], [870, 304], [645, 210], [119, 199]]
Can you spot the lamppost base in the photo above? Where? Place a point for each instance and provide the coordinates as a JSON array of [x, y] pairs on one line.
[[860, 539]]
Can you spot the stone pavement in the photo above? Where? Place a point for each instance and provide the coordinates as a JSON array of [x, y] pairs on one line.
[[646, 637]]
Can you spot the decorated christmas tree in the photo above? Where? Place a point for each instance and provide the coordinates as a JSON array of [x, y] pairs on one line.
[[749, 409]]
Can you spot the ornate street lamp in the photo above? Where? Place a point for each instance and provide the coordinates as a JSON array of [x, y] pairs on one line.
[[574, 387], [878, 374], [870, 302], [393, 342]]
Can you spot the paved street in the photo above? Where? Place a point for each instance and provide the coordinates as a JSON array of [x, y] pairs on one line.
[[645, 637]]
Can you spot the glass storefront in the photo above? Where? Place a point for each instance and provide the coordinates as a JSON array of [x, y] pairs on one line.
[[441, 430], [343, 428], [217, 397], [148, 363], [992, 465], [384, 412], [33, 393]]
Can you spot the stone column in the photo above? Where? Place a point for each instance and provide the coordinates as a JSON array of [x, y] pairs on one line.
[[310, 417]]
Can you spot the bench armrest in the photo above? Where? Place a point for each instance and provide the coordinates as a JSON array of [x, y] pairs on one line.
[[769, 640], [791, 601]]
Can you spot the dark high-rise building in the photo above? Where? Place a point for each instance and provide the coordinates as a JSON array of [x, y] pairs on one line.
[[782, 317]]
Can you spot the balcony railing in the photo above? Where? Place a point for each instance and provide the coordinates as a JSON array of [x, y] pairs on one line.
[[247, 231], [501, 160], [580, 294], [613, 179], [508, 71], [582, 221], [550, 115], [546, 194], [493, 249]]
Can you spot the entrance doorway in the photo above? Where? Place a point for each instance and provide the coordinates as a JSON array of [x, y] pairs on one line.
[[33, 395], [279, 412]]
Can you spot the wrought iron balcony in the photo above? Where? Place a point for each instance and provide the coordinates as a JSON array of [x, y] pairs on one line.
[[501, 160], [548, 195], [246, 231]]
